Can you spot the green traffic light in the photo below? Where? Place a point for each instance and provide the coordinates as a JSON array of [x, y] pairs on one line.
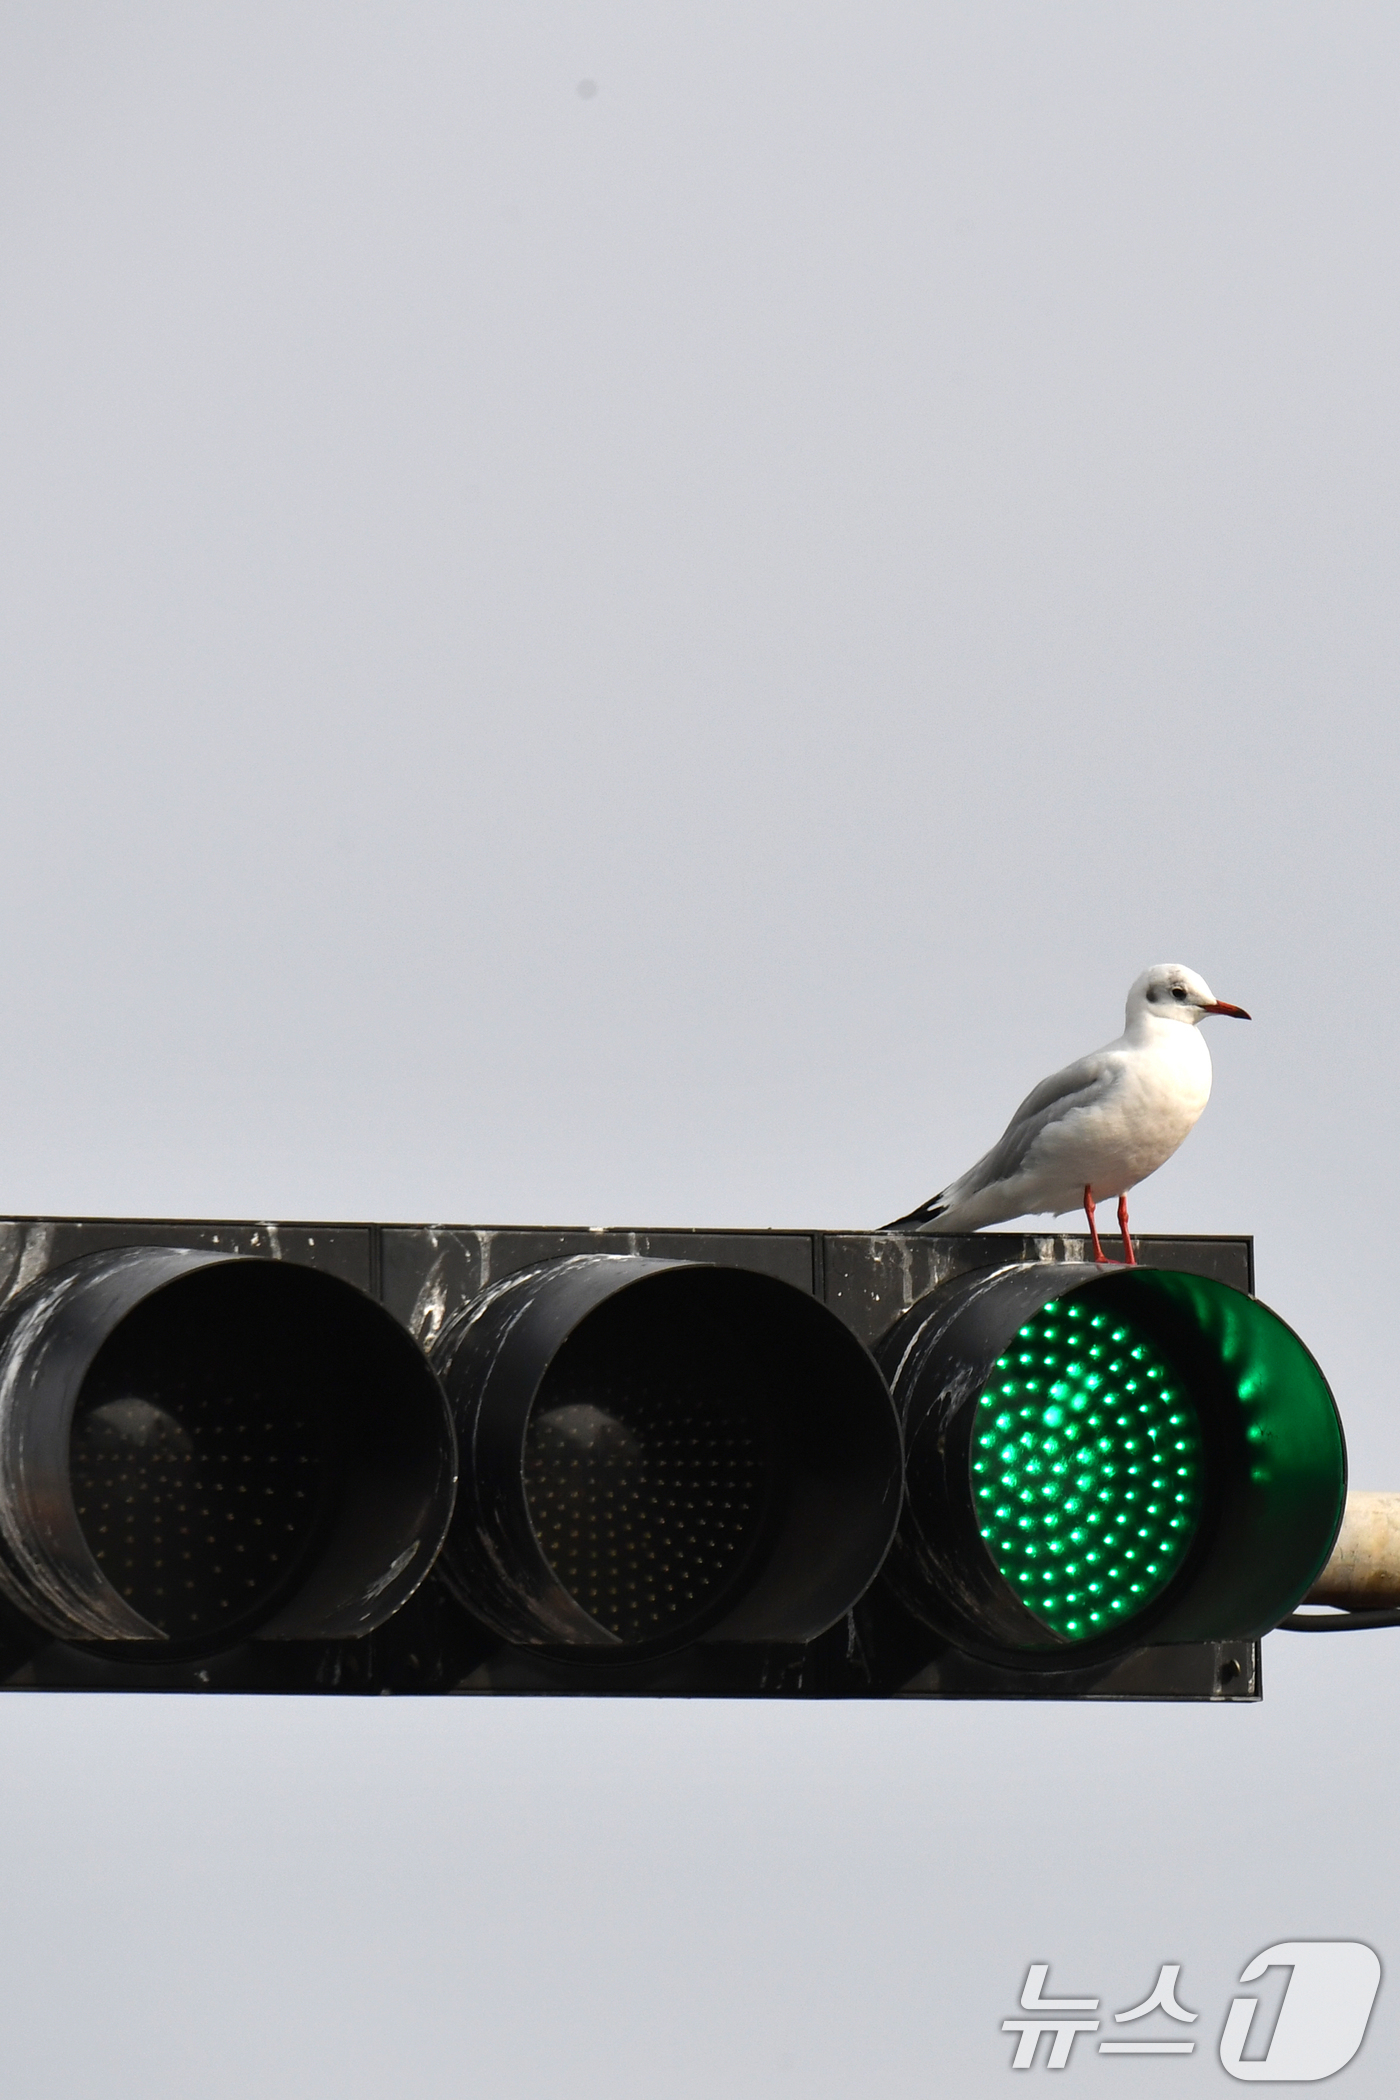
[[1098, 1459], [1088, 1470]]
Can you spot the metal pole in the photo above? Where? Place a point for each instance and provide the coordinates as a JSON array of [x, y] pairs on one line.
[[1364, 1571]]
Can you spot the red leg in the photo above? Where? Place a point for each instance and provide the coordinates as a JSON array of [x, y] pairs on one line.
[[1099, 1254], [1128, 1255]]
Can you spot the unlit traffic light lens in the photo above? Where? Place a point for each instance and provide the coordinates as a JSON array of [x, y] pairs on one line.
[[647, 1479], [199, 1474]]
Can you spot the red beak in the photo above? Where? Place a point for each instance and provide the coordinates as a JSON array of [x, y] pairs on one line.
[[1223, 1006]]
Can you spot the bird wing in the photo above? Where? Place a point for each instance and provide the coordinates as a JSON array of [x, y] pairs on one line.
[[1080, 1085]]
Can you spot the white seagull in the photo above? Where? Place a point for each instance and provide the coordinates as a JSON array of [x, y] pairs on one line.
[[1099, 1127]]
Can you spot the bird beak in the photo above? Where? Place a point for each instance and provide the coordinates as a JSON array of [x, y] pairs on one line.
[[1223, 1006]]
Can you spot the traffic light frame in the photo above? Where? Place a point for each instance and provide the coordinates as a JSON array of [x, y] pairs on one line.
[[523, 1329]]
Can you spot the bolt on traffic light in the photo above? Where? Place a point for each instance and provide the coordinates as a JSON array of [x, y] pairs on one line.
[[1095, 1459]]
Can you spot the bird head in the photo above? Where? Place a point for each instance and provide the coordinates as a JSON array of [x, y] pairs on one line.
[[1171, 992]]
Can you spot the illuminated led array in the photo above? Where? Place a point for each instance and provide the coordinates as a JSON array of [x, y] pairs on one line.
[[1087, 1468]]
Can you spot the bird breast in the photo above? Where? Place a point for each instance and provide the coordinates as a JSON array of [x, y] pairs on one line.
[[1160, 1088]]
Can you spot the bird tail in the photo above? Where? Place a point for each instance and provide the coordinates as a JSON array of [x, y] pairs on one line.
[[918, 1220]]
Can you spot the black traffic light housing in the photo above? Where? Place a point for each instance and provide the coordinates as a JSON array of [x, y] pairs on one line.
[[490, 1460]]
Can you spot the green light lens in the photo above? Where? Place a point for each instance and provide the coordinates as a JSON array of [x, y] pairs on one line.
[[1088, 1474]]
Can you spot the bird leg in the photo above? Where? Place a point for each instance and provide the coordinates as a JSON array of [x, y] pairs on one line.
[[1099, 1254], [1128, 1255]]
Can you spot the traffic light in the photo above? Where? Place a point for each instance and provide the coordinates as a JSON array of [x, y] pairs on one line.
[[197, 1448], [746, 1464], [1099, 1458], [663, 1452]]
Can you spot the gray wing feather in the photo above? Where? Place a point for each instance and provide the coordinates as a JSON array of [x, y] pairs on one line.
[[1079, 1085]]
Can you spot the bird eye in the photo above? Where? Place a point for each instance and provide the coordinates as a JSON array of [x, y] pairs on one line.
[[1179, 991]]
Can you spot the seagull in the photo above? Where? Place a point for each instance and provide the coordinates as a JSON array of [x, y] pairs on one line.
[[1099, 1127]]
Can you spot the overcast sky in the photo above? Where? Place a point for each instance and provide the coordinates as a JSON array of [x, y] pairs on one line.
[[642, 614]]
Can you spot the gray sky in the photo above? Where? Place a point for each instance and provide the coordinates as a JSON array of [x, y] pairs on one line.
[[657, 657]]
